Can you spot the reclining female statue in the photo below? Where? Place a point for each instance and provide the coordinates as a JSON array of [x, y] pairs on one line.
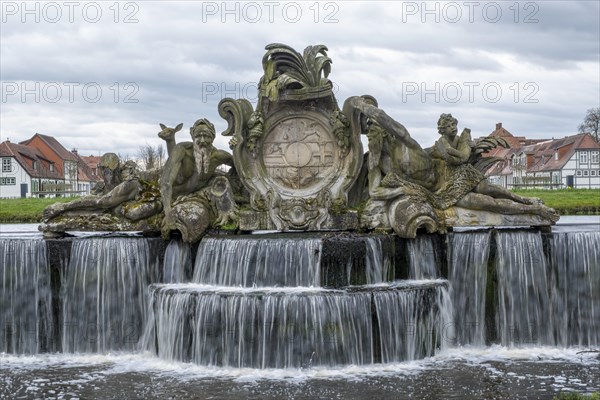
[[440, 176]]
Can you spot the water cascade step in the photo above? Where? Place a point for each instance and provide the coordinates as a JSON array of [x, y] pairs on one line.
[[26, 325], [467, 264], [297, 327], [177, 264], [424, 257], [256, 261], [300, 300], [548, 288], [575, 288], [103, 294]]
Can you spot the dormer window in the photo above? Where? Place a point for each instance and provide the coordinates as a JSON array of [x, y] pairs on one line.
[[556, 156]]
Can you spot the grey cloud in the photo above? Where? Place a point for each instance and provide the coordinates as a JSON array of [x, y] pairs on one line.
[[174, 57]]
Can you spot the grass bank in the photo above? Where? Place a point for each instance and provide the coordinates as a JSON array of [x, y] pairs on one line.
[[577, 396], [568, 201], [565, 201], [26, 210]]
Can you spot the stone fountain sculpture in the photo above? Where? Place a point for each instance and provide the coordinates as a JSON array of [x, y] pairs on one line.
[[297, 164]]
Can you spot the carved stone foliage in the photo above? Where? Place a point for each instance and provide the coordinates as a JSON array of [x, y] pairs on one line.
[[297, 164], [295, 153]]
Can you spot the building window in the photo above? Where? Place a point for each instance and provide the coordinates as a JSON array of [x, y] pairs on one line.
[[8, 181], [586, 173], [593, 172], [595, 158], [583, 157], [7, 165], [578, 173], [556, 156], [35, 165], [51, 167]]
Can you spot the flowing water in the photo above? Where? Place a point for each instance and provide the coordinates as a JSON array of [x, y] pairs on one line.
[[468, 259], [423, 261], [177, 265], [378, 263], [254, 317], [262, 328], [103, 294], [25, 298], [413, 324], [258, 261], [575, 288]]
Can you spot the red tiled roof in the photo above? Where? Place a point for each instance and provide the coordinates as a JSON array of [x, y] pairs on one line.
[[55, 146], [23, 153], [543, 153], [85, 171], [92, 161]]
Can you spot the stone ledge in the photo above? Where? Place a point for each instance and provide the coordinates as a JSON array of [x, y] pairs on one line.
[[456, 217], [260, 220]]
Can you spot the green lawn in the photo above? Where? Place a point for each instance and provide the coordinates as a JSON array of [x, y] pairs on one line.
[[26, 210], [565, 201], [577, 396], [568, 201]]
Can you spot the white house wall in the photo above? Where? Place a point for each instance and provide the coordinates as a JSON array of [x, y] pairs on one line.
[[578, 169], [20, 175]]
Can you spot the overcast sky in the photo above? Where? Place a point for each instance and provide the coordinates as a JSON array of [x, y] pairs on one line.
[[101, 76]]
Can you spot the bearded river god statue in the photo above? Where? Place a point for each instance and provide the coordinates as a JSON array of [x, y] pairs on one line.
[[297, 165]]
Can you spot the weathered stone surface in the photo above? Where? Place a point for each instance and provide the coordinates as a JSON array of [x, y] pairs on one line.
[[261, 220], [458, 216], [295, 153], [297, 165], [97, 222]]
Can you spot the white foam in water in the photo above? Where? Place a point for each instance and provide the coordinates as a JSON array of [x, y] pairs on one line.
[[405, 284], [217, 289], [117, 363], [478, 355]]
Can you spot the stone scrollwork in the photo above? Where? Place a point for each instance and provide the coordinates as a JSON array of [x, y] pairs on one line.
[[298, 145], [297, 164]]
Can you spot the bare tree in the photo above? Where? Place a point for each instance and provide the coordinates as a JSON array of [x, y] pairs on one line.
[[160, 155], [591, 123], [151, 157], [124, 157], [147, 155]]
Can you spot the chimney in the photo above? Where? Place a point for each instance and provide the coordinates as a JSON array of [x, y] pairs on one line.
[[74, 151], [498, 125]]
